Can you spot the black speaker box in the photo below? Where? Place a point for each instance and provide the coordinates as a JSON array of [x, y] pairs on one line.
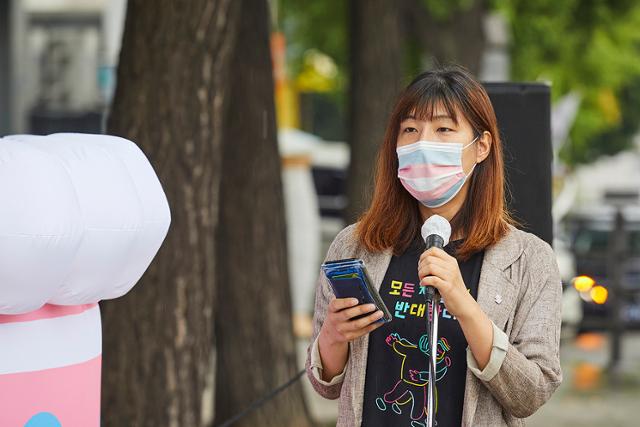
[[524, 119]]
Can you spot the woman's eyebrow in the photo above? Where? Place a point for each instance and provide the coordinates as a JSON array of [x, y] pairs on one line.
[[438, 117]]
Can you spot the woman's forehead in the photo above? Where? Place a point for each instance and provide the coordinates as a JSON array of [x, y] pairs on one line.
[[433, 112]]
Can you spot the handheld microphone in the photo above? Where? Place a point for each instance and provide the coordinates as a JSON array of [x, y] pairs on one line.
[[435, 231]]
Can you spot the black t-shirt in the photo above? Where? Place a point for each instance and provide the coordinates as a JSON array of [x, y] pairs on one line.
[[396, 383]]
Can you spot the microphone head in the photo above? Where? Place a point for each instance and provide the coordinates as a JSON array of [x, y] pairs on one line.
[[436, 224]]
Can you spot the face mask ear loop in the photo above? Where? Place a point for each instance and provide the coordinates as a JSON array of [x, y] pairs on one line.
[[474, 140], [467, 175]]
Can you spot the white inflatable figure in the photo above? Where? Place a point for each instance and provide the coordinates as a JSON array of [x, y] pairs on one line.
[[81, 218]]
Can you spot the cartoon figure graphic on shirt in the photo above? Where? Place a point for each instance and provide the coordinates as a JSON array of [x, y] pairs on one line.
[[413, 382]]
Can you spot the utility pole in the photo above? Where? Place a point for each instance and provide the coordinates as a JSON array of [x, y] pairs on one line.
[[615, 272], [616, 266]]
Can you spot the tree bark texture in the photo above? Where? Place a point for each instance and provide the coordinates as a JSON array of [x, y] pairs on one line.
[[173, 80], [254, 334], [376, 52]]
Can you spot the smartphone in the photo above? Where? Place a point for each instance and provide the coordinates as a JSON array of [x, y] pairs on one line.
[[349, 279]]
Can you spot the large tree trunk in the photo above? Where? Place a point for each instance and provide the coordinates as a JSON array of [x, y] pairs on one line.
[[458, 38], [173, 81], [376, 53], [253, 328], [195, 91]]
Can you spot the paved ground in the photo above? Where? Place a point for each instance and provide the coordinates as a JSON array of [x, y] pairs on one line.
[[589, 396], [586, 398]]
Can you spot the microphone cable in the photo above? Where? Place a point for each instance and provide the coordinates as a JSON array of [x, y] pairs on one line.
[[261, 401]]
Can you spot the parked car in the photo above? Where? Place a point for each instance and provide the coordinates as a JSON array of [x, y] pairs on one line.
[[590, 231]]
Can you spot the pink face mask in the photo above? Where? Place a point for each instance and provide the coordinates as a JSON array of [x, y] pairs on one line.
[[432, 171]]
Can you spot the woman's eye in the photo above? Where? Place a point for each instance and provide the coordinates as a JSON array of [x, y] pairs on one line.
[[409, 129], [444, 130]]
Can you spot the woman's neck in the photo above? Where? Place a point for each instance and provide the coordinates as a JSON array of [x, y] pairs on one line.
[[448, 210]]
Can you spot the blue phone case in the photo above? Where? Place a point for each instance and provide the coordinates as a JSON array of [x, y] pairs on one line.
[[348, 279]]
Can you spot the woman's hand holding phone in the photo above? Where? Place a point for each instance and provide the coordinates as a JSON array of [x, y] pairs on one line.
[[340, 325], [339, 328]]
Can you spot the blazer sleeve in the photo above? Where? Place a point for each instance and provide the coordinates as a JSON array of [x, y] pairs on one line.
[[324, 295], [523, 373]]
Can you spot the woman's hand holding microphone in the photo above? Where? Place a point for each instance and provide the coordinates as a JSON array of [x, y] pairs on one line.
[[439, 269]]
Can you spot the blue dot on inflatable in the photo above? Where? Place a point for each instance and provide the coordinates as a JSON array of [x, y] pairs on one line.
[[43, 419]]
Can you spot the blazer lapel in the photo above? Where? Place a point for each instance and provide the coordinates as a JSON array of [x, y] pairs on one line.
[[497, 296], [376, 265]]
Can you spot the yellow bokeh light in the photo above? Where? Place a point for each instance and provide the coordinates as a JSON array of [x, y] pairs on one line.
[[599, 294], [583, 283]]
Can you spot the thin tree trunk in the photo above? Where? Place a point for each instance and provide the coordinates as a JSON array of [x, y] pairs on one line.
[[376, 77], [170, 99], [459, 38], [255, 346]]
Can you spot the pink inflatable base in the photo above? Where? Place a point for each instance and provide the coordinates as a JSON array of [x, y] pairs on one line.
[[70, 394], [50, 367]]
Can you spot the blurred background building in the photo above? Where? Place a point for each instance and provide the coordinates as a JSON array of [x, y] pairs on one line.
[[58, 62]]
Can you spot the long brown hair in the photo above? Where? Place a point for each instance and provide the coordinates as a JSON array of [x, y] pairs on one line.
[[393, 220]]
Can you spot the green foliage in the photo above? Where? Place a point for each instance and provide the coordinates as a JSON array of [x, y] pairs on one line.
[[443, 10], [618, 138], [317, 26], [588, 46], [320, 25]]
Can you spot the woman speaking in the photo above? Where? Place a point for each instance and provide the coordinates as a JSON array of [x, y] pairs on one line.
[[499, 317]]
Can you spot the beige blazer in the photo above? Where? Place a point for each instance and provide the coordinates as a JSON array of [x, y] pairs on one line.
[[520, 291]]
